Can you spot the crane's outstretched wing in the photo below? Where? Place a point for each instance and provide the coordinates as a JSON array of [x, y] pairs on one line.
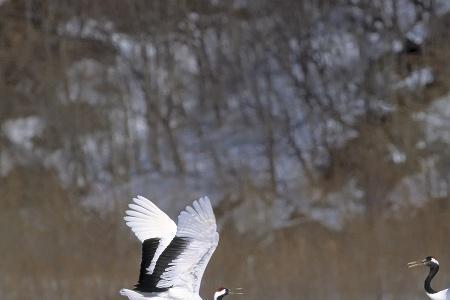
[[153, 228], [183, 264]]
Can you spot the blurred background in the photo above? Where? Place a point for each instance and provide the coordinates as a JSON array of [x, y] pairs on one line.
[[319, 129]]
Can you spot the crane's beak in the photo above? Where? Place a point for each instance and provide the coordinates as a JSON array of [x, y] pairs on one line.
[[236, 291], [416, 263]]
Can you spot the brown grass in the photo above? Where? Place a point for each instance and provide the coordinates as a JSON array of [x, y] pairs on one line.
[[58, 250]]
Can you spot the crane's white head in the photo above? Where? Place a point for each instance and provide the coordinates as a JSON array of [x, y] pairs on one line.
[[222, 292], [428, 261]]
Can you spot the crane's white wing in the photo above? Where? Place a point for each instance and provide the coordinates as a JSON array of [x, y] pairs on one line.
[[196, 226], [147, 222]]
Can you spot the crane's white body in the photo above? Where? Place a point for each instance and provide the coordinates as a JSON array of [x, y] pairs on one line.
[[176, 269], [172, 293], [441, 295]]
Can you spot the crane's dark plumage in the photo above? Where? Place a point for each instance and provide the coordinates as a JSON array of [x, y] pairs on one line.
[[148, 252], [147, 283], [434, 268]]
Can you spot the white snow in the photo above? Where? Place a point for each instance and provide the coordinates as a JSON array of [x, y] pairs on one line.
[[437, 121], [21, 131], [397, 156], [416, 79], [418, 33]]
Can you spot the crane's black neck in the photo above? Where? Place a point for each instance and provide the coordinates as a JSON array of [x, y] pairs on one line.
[[433, 270]]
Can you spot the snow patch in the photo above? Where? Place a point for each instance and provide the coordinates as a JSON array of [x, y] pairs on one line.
[[418, 33], [437, 121], [397, 156], [417, 79], [22, 131]]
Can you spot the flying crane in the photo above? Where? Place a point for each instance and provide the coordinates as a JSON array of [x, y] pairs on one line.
[[174, 257]]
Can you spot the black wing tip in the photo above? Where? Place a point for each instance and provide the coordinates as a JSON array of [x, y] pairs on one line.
[[143, 288], [149, 247], [148, 283]]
